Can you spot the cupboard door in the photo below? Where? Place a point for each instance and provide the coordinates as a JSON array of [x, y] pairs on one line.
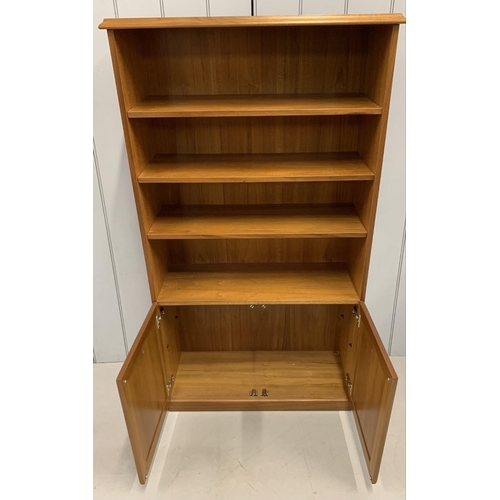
[[373, 389], [143, 393]]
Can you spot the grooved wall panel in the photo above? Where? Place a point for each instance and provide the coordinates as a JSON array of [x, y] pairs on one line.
[[322, 7], [398, 346], [138, 8], [124, 229], [277, 7], [369, 6], [389, 224], [231, 8], [116, 184], [185, 8], [108, 337]]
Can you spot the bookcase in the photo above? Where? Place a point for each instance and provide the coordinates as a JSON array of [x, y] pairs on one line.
[[255, 147]]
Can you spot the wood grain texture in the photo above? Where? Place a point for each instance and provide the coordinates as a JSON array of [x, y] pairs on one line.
[[253, 105], [374, 388], [249, 21], [255, 168], [355, 258], [248, 135], [256, 251], [141, 385], [294, 380], [379, 75], [258, 284], [256, 193], [170, 344], [238, 61], [346, 339], [273, 328], [126, 94], [256, 221]]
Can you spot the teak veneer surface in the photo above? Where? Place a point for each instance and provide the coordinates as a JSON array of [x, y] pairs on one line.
[[253, 105], [258, 284], [294, 381], [313, 327], [256, 221], [249, 21], [226, 168], [247, 135]]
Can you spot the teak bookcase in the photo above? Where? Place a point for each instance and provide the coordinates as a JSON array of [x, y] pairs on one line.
[[255, 147]]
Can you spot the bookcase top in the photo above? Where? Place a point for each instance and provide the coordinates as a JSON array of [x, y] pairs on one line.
[[250, 21]]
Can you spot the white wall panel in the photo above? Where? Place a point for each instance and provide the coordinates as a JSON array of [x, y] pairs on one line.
[[138, 8], [116, 184], [185, 8], [108, 333], [389, 224], [398, 345], [230, 8], [277, 7], [319, 7], [400, 7], [369, 6], [123, 224]]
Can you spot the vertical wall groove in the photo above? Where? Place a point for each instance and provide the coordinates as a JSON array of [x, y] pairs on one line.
[[115, 7], [396, 293], [346, 7], [208, 8], [110, 246], [392, 6], [162, 9]]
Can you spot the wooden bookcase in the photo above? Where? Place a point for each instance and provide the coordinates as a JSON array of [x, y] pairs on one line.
[[255, 147]]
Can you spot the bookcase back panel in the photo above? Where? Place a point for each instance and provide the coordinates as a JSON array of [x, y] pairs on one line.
[[280, 60], [234, 135], [251, 193], [253, 251], [270, 328]]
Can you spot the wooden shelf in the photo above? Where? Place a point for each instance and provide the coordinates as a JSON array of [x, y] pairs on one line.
[[295, 380], [197, 222], [227, 168], [254, 105], [210, 284]]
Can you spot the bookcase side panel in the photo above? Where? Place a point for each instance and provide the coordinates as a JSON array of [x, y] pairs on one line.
[[126, 96]]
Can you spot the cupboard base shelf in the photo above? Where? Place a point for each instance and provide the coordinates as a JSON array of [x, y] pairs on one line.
[[294, 380]]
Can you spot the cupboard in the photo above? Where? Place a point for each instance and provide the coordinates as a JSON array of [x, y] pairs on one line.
[[255, 147]]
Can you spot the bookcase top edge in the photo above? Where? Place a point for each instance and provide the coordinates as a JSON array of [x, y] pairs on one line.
[[250, 21]]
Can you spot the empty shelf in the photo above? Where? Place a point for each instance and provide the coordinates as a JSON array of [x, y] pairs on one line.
[[207, 284], [216, 168], [256, 221], [254, 105], [294, 380]]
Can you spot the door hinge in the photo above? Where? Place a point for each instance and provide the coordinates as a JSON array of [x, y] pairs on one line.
[[348, 384], [170, 383], [357, 315], [158, 317]]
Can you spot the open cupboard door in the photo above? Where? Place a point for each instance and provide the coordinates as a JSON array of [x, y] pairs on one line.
[[372, 390], [143, 392]]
